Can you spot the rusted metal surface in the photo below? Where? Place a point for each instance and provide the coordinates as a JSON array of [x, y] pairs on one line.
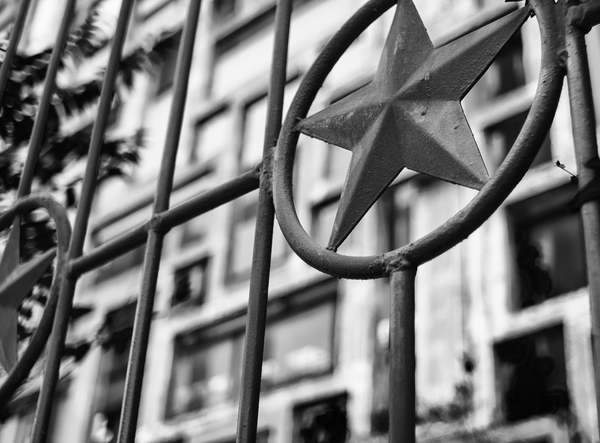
[[256, 318], [403, 394], [410, 115], [586, 153], [145, 305]]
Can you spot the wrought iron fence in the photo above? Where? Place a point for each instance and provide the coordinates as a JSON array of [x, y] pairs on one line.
[[562, 24]]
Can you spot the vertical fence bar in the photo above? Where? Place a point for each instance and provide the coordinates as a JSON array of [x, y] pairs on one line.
[[263, 238], [13, 43], [586, 153], [61, 323], [402, 415], [143, 315], [43, 411], [39, 126]]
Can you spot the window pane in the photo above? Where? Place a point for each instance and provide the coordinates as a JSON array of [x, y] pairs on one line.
[[299, 345], [205, 376], [551, 257], [325, 421], [337, 163], [507, 72], [549, 247], [254, 133], [531, 373], [242, 238], [212, 138], [190, 284], [502, 136], [166, 52]]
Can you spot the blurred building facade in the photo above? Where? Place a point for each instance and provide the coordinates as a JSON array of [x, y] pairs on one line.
[[503, 323]]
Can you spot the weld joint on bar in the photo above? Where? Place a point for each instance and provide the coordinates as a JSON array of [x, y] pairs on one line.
[[156, 224], [398, 262], [266, 172]]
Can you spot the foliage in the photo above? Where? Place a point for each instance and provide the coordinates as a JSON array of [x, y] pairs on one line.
[[63, 152]]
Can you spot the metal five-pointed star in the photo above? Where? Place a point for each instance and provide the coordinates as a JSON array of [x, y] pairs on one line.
[[16, 281], [410, 115]]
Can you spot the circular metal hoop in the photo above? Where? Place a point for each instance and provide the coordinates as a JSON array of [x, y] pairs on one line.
[[468, 219], [21, 370]]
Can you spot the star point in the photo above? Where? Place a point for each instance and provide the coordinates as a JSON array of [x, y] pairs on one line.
[[410, 115]]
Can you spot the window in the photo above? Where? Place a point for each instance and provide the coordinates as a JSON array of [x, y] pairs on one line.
[[206, 369], [224, 10], [337, 162], [190, 284], [255, 122], [125, 262], [165, 54], [207, 363], [501, 137], [212, 136], [549, 248], [117, 331], [193, 232], [531, 374], [242, 238], [507, 72], [395, 212], [325, 421], [298, 344]]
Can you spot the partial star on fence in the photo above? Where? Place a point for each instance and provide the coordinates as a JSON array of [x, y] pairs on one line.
[[16, 280], [410, 115]]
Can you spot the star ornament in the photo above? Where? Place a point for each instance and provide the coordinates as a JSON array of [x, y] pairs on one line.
[[410, 115], [16, 280]]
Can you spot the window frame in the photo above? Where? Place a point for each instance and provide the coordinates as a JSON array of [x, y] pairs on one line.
[[282, 307], [545, 206]]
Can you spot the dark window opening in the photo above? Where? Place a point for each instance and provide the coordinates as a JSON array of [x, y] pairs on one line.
[[224, 10], [532, 375], [502, 136], [165, 55], [325, 421], [116, 333], [395, 212], [507, 72], [190, 284], [549, 247]]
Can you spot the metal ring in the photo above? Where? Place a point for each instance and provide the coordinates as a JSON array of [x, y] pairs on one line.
[[21, 370], [468, 219]]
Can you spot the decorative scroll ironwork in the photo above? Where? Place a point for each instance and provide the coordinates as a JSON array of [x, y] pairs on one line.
[[389, 124]]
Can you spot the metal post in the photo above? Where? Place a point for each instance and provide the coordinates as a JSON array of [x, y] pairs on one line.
[[247, 424], [143, 315], [586, 152], [402, 415]]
